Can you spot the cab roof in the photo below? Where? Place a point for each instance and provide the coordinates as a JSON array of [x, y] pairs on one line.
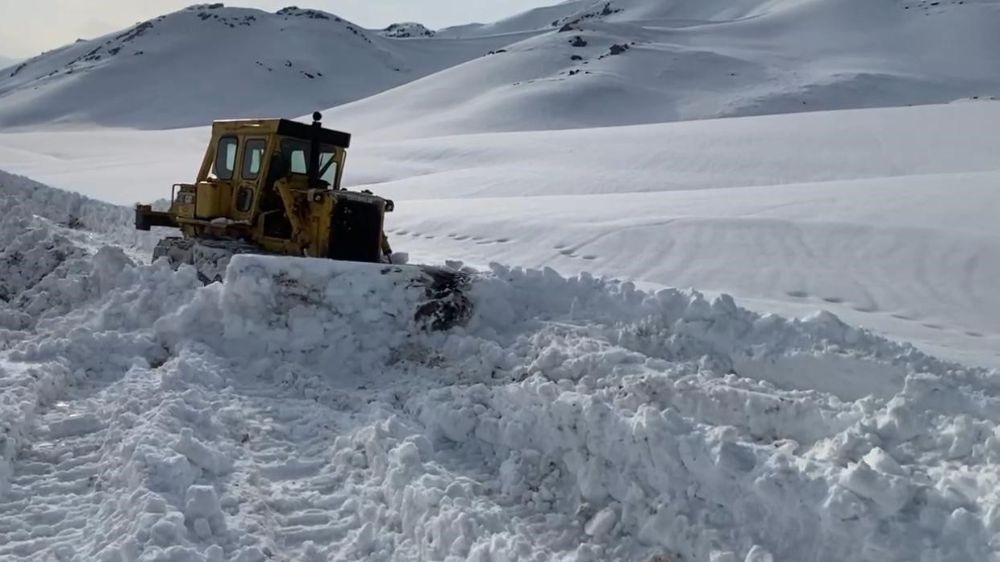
[[284, 127]]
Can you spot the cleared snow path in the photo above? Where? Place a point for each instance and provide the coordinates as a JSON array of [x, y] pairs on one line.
[[297, 413]]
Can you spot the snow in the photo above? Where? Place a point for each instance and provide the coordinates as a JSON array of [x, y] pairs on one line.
[[167, 72], [576, 64], [829, 391], [536, 19], [7, 61], [572, 418], [683, 60], [407, 30], [698, 204]]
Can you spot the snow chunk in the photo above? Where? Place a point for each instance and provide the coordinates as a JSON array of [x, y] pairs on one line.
[[215, 462], [602, 522], [889, 493], [203, 511], [882, 462], [75, 425]]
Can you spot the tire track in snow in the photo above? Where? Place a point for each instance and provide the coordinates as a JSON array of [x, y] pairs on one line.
[[290, 498], [59, 468], [362, 477], [55, 485]]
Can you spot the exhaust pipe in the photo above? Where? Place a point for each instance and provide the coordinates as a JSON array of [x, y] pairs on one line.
[[317, 129]]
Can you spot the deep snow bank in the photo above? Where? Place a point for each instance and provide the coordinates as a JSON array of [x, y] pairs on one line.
[[303, 416], [23, 199]]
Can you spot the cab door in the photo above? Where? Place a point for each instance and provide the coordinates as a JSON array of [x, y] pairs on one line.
[[214, 192], [251, 169]]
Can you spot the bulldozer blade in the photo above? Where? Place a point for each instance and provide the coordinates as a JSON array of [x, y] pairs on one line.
[[448, 305], [438, 295], [433, 298]]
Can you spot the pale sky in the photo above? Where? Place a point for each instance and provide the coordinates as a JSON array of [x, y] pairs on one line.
[[28, 27]]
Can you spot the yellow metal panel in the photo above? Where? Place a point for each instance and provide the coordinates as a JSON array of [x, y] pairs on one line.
[[212, 200]]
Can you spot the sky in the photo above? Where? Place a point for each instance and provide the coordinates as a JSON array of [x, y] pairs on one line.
[[28, 27]]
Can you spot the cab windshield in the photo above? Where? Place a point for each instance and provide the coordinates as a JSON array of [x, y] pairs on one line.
[[296, 153]]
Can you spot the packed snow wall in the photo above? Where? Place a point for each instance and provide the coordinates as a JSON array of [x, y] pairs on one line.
[[296, 412]]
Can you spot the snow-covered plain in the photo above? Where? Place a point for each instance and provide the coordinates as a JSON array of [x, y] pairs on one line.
[[576, 417], [884, 216]]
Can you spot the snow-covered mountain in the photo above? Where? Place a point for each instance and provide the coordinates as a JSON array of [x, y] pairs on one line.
[[620, 62], [537, 19], [7, 61], [581, 63], [208, 61]]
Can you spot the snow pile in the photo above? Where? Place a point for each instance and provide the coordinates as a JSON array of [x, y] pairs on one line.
[[65, 208], [88, 222], [327, 312], [297, 410]]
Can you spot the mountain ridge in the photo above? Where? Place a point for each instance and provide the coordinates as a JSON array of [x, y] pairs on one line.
[[170, 71], [626, 62]]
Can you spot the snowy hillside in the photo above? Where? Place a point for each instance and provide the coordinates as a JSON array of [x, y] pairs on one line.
[[623, 62], [7, 61], [536, 19], [174, 70], [582, 63], [407, 30], [149, 418]]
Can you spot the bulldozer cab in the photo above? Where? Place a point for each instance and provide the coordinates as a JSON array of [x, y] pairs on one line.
[[246, 159], [275, 184]]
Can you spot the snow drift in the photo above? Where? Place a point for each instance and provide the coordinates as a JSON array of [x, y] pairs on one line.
[[148, 417]]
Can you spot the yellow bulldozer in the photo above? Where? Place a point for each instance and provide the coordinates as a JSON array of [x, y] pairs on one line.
[[273, 186]]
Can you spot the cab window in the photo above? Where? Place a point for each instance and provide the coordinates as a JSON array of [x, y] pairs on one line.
[[225, 158], [253, 157], [296, 154], [328, 166], [298, 162]]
